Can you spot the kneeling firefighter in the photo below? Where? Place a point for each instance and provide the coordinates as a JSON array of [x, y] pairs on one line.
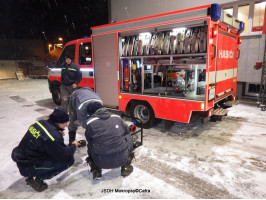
[[42, 154], [110, 143]]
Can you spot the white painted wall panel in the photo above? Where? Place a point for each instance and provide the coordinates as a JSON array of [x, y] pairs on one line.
[[130, 9], [251, 51]]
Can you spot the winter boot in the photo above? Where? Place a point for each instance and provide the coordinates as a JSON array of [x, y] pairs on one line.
[[72, 136], [96, 171], [97, 174], [127, 169], [37, 184], [130, 158]]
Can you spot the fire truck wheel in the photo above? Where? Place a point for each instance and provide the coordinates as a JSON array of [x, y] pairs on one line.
[[56, 96], [144, 112]]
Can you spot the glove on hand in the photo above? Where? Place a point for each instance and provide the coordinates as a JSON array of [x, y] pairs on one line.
[[82, 143]]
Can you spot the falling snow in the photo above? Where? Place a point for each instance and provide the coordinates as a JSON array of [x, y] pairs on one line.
[[225, 159]]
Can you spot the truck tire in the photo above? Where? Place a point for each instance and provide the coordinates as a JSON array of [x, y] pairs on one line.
[[56, 96], [144, 112]]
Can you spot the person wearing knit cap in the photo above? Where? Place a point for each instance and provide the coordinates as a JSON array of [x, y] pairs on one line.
[[59, 116], [42, 154]]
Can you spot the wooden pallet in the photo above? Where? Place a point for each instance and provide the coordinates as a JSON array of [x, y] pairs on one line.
[[20, 75]]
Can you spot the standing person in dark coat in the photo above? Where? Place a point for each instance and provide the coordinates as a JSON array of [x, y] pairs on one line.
[[110, 144], [70, 78], [42, 154], [79, 100]]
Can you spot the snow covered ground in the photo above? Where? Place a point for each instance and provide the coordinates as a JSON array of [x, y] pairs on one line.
[[225, 159]]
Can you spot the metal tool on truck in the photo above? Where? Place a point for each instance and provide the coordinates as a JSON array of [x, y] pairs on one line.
[[177, 66]]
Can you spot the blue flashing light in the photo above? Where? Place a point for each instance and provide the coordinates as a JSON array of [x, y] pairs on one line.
[[241, 27], [216, 12], [85, 37], [133, 122]]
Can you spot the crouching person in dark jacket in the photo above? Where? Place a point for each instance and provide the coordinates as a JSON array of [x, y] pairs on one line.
[[110, 144], [79, 100], [42, 154]]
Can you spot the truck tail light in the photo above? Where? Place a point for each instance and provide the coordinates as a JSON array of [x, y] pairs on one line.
[[239, 41], [202, 106], [233, 98], [214, 32], [210, 112]]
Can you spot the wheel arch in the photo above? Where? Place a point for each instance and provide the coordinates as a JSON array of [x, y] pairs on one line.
[[133, 104], [53, 85]]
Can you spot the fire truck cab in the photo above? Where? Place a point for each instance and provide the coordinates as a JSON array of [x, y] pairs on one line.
[[80, 50], [178, 66]]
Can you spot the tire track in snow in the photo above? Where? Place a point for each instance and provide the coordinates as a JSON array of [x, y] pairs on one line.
[[183, 181], [245, 147], [192, 130]]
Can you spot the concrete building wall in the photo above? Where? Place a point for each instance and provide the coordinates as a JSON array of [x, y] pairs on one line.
[[130, 9], [8, 69], [25, 55]]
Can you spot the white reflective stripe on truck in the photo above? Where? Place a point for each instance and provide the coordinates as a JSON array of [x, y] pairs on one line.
[[54, 72], [86, 72], [222, 75]]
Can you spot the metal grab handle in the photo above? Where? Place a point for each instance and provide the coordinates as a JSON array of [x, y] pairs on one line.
[[238, 56], [214, 47]]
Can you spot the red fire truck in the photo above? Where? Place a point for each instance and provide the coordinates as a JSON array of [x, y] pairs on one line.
[[178, 66]]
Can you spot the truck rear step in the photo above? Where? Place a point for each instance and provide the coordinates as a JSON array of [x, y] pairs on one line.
[[220, 112], [229, 104], [217, 114]]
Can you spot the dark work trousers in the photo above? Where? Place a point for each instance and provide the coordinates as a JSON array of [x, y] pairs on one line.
[[65, 92], [48, 169], [72, 126], [111, 161]]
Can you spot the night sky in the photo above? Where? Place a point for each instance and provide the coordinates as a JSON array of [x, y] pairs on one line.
[[49, 19]]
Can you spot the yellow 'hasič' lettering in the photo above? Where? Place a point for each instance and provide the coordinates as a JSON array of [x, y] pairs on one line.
[[34, 132]]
